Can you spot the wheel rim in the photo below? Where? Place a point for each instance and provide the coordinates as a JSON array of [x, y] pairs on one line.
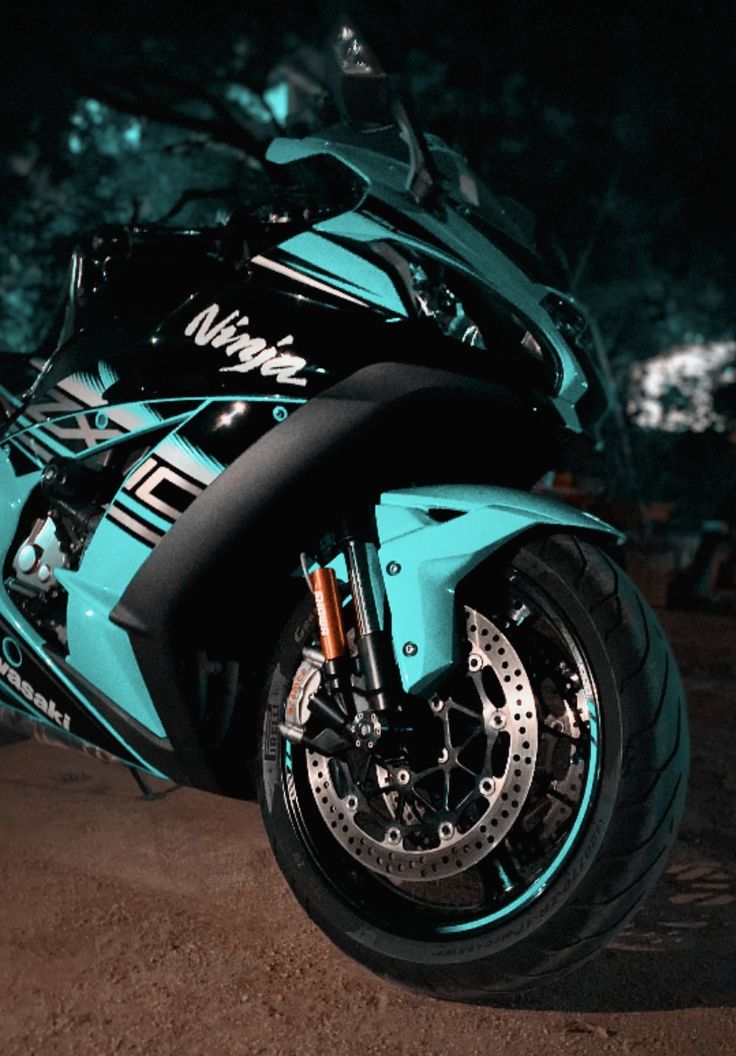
[[492, 862]]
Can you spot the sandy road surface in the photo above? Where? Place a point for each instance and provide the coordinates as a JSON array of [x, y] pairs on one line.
[[164, 927]]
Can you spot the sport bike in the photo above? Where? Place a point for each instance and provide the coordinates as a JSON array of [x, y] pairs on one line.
[[270, 526]]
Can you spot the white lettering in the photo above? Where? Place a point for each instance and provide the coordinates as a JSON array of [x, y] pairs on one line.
[[319, 602], [203, 328], [285, 367], [253, 353], [48, 707]]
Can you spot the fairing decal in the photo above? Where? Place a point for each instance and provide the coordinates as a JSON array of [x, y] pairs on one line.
[[139, 527], [300, 276], [74, 417], [158, 491], [41, 689], [179, 469], [246, 351], [336, 265]]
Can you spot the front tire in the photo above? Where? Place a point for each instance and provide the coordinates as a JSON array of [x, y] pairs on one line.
[[572, 885]]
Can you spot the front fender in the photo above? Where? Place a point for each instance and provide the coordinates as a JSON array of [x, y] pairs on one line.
[[423, 560]]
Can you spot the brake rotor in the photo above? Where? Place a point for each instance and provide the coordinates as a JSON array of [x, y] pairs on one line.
[[436, 817]]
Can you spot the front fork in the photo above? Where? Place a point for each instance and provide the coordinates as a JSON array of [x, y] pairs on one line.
[[425, 557], [352, 705], [375, 656]]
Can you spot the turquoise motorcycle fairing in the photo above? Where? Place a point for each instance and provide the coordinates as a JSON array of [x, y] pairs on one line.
[[424, 561]]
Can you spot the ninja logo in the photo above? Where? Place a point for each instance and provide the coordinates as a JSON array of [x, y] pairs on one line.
[[48, 707], [249, 352]]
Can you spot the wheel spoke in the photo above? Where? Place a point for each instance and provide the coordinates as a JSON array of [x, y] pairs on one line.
[[422, 799], [465, 711]]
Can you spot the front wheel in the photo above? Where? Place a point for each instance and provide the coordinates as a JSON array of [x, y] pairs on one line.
[[544, 785]]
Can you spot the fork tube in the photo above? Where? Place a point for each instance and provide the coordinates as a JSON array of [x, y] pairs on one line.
[[376, 660]]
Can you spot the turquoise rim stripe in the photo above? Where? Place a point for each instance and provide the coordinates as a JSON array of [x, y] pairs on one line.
[[548, 875]]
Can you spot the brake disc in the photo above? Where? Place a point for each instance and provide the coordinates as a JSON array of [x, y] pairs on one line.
[[433, 818]]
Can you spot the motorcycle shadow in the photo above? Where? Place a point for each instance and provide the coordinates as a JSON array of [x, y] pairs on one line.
[[678, 953]]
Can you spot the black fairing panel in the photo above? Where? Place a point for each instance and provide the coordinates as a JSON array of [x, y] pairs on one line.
[[173, 348]]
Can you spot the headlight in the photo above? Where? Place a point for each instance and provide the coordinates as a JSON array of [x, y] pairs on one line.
[[436, 300], [477, 318]]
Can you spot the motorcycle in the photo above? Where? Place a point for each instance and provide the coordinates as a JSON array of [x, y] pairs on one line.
[[269, 527]]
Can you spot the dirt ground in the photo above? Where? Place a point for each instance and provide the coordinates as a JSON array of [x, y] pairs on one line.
[[164, 927]]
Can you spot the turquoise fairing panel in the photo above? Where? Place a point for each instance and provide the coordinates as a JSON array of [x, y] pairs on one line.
[[433, 557], [325, 260], [14, 493], [99, 650]]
